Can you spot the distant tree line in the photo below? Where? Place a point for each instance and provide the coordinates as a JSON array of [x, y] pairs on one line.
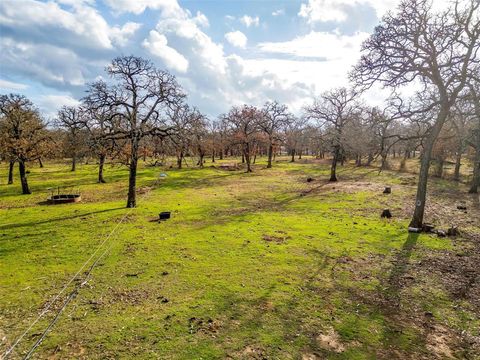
[[141, 112]]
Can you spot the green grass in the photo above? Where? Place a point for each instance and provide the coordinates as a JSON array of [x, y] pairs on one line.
[[231, 293]]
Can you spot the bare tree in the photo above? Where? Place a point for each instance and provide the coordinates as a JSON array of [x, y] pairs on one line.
[[275, 117], [436, 50], [244, 122], [69, 119], [334, 110], [474, 138], [138, 100]]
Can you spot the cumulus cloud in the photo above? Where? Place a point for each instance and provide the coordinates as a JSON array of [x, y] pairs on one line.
[[250, 21], [157, 44], [79, 26], [237, 39]]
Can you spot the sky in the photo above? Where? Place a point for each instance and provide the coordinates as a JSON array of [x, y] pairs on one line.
[[223, 52]]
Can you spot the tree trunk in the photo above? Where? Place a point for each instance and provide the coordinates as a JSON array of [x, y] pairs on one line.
[[23, 177], [458, 163], [132, 178], [439, 168], [417, 218], [370, 159], [101, 162], [384, 165], [40, 162], [200, 161], [358, 161], [270, 155], [74, 162], [333, 170], [213, 156], [293, 155], [10, 172], [179, 160], [247, 157], [476, 172]]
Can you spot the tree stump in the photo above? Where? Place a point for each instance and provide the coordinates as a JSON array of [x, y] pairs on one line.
[[386, 214]]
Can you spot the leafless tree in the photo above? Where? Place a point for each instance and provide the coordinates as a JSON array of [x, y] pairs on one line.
[[244, 123], [275, 117], [436, 50], [138, 99], [69, 118], [334, 110]]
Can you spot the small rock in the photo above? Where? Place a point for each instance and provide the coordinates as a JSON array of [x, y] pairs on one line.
[[441, 233]]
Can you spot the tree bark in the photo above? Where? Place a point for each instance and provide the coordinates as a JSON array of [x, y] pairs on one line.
[[132, 178], [23, 177], [10, 172], [101, 162], [293, 155], [458, 163], [40, 162], [74, 162], [417, 218], [180, 160], [247, 157], [333, 170], [476, 172], [270, 155]]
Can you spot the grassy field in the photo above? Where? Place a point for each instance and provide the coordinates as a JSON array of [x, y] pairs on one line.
[[250, 266]]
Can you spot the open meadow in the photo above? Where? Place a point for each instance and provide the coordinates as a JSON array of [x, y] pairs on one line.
[[262, 265]]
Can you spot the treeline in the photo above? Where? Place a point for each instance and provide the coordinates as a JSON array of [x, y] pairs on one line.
[[142, 112]]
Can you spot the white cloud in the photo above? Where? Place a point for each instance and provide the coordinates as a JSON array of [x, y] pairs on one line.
[[278, 12], [338, 10], [330, 46], [324, 10], [49, 104], [250, 21], [49, 64], [80, 26], [120, 36], [157, 44], [10, 85], [236, 38], [169, 7]]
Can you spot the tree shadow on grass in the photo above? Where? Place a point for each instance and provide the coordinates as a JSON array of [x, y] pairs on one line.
[[53, 220]]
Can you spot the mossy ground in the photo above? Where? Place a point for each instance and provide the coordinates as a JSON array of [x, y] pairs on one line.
[[250, 266]]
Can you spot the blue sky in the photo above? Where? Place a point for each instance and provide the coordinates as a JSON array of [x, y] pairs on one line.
[[223, 52]]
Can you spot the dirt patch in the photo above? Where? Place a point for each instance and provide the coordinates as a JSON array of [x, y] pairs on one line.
[[279, 238], [124, 296], [330, 341], [206, 326], [438, 343], [458, 271]]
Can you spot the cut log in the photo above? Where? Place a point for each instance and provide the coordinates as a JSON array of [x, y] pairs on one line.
[[428, 228]]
